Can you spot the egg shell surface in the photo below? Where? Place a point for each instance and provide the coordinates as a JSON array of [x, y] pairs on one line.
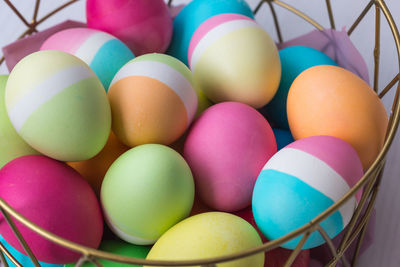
[[11, 144], [193, 15], [94, 169], [329, 100], [55, 197], [120, 248], [104, 53], [301, 181], [153, 100], [144, 26], [226, 148], [146, 191], [294, 60], [234, 59], [207, 235], [60, 108]]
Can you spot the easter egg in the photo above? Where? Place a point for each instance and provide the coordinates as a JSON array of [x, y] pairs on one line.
[[294, 60], [278, 256], [193, 15], [94, 169], [234, 59], [209, 235], [305, 178], [104, 53], [60, 108], [145, 192], [226, 148], [21, 258], [120, 248], [152, 99], [329, 100], [283, 137], [55, 197], [11, 144], [144, 26]]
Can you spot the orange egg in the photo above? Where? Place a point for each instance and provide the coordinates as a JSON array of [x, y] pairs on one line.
[[329, 100], [94, 169]]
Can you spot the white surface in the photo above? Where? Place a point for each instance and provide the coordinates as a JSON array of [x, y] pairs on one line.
[[384, 252]]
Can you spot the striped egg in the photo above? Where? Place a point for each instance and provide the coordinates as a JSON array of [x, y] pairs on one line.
[[58, 106], [234, 59], [104, 53], [193, 15], [300, 182], [152, 99]]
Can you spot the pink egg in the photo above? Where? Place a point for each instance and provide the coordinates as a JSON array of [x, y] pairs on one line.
[[145, 26], [226, 148], [55, 197]]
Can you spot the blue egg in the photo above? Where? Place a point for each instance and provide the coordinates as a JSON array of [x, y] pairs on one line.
[[193, 15], [294, 60], [21, 258], [283, 137]]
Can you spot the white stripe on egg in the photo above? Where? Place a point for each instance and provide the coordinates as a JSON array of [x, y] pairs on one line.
[[165, 74], [214, 34], [322, 177], [89, 48], [42, 93]]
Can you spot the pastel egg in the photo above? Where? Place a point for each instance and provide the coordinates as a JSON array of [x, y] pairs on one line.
[[208, 235], [305, 178], [94, 169], [226, 148], [193, 15], [234, 59], [294, 60], [60, 108], [153, 100], [104, 53], [329, 100], [11, 144], [21, 258], [145, 26], [120, 248], [145, 192], [50, 194], [283, 137]]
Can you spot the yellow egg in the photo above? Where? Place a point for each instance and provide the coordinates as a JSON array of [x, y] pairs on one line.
[[207, 235]]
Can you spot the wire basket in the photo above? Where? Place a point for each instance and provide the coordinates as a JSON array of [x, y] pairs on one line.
[[356, 228]]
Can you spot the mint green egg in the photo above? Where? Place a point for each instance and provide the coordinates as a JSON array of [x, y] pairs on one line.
[[146, 191], [11, 145], [120, 248], [58, 106]]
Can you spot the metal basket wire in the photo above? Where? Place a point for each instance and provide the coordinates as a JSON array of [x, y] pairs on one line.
[[370, 182]]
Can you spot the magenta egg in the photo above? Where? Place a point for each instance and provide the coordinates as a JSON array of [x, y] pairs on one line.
[[226, 148], [144, 26], [54, 196]]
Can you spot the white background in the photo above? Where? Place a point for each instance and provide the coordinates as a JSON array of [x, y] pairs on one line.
[[386, 248]]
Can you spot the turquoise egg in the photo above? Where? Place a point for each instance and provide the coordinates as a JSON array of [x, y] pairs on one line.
[[21, 258], [193, 15], [294, 60]]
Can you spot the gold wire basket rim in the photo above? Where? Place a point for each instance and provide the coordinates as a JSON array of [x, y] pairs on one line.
[[375, 170]]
